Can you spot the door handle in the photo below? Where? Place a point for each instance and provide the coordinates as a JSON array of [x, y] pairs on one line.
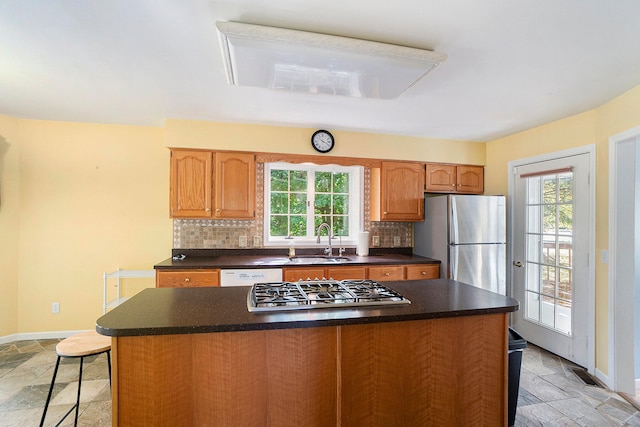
[[518, 264]]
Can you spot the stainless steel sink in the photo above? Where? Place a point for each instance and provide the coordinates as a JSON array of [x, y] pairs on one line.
[[318, 259]]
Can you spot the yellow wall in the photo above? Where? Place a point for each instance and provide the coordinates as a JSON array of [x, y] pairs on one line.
[[276, 139], [92, 198], [81, 199], [592, 127], [9, 224]]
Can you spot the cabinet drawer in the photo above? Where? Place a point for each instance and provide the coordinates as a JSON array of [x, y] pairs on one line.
[[187, 278], [423, 271], [345, 273], [388, 272], [295, 274]]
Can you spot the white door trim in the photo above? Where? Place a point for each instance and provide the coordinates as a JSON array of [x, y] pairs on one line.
[[621, 337], [511, 166]]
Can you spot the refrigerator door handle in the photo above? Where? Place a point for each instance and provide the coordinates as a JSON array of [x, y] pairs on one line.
[[453, 262], [454, 220]]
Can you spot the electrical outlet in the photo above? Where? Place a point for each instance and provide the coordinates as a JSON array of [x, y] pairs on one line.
[[257, 241], [376, 240], [396, 240], [55, 307], [242, 241]]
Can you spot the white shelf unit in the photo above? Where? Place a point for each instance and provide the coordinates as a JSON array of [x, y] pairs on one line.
[[122, 274]]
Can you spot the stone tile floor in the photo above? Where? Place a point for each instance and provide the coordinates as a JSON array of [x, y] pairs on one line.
[[550, 392], [26, 368]]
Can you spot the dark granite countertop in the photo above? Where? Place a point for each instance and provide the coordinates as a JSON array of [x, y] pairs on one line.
[[166, 311], [201, 259]]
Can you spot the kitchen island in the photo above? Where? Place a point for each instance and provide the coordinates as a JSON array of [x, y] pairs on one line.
[[197, 356]]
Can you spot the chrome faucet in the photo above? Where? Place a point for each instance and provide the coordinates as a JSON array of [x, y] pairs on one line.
[[329, 250]]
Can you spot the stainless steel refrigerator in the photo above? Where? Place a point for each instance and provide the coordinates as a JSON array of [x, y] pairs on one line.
[[467, 234]]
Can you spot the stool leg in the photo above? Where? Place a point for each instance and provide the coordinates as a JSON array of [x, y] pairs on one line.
[[79, 384], [53, 380]]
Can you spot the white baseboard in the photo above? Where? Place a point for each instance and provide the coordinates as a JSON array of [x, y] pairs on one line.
[[37, 336], [604, 379]]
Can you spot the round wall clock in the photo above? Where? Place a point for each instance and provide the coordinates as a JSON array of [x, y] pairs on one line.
[[322, 141]]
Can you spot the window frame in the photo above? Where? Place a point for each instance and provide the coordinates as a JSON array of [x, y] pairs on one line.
[[356, 208]]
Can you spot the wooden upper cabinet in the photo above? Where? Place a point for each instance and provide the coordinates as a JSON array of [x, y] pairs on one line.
[[205, 184], [470, 179], [235, 185], [397, 192], [442, 178], [190, 184]]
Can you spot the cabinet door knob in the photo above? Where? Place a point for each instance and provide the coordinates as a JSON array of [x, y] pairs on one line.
[[186, 279], [387, 273], [217, 210], [424, 273], [208, 210]]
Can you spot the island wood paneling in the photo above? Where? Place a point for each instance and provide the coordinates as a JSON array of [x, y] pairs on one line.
[[443, 372], [259, 378], [439, 372]]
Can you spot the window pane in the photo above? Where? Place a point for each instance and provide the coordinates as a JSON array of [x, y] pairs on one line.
[[323, 204], [340, 205], [534, 219], [533, 277], [279, 203], [563, 319], [278, 225], [533, 306], [340, 226], [565, 218], [323, 182], [340, 182], [549, 250], [298, 225], [533, 190], [549, 219], [549, 188], [549, 280], [565, 187], [317, 220], [279, 180], [533, 247], [299, 181], [564, 284], [298, 203], [565, 247], [548, 311]]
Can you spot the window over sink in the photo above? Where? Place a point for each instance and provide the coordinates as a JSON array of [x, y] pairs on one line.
[[300, 197]]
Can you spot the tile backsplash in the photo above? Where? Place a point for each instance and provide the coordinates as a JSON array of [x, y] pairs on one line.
[[234, 234]]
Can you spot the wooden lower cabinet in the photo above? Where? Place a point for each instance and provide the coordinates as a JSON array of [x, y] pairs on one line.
[[379, 273], [438, 372], [187, 278], [422, 271], [295, 274], [386, 272]]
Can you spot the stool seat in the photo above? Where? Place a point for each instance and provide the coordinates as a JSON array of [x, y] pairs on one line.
[[83, 344], [79, 346]]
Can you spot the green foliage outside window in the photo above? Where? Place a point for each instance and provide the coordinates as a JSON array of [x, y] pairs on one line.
[[288, 214]]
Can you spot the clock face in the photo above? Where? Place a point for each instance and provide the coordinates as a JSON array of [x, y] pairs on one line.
[[322, 141]]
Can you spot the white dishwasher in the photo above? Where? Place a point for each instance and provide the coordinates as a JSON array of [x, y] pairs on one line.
[[249, 276]]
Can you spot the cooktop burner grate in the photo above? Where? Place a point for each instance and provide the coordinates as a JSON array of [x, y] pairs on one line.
[[307, 294]]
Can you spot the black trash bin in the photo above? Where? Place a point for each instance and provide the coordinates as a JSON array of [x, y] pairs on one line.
[[516, 346]]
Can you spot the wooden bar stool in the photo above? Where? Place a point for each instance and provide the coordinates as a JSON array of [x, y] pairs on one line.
[[80, 345]]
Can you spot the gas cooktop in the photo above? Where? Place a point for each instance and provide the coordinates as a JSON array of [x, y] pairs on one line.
[[313, 294]]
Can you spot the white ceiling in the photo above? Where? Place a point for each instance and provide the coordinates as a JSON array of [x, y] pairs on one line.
[[511, 64]]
